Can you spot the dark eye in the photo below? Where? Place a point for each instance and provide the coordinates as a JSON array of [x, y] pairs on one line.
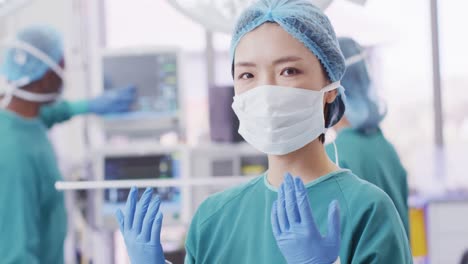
[[246, 76], [290, 72]]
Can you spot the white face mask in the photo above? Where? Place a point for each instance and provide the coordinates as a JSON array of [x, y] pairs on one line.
[[12, 89], [279, 120]]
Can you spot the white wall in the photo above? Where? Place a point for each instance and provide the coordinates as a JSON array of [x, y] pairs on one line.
[[50, 12]]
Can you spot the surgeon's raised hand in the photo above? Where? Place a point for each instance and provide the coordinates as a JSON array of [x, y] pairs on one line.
[[295, 230], [113, 101], [141, 228]]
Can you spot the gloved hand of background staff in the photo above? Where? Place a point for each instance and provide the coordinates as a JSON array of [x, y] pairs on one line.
[[113, 101], [295, 230], [141, 228]]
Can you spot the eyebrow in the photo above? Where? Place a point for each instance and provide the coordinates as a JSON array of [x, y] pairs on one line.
[[286, 59], [245, 64], [276, 62]]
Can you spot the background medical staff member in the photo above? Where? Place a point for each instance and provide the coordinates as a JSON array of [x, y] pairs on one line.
[[287, 68], [361, 144], [33, 219]]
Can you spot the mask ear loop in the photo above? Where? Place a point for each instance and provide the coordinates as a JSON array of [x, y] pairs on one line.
[[328, 88], [337, 162], [6, 100], [331, 87], [5, 92], [13, 90]]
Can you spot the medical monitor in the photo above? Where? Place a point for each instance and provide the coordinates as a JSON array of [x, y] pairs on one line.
[[154, 73]]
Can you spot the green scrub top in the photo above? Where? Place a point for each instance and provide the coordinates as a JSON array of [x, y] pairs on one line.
[[33, 218], [234, 226], [372, 158], [62, 111]]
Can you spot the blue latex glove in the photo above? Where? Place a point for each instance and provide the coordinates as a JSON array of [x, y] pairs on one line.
[[113, 101], [294, 228], [141, 228]]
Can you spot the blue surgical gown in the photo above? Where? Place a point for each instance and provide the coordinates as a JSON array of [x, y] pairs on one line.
[[234, 226], [32, 212], [374, 159]]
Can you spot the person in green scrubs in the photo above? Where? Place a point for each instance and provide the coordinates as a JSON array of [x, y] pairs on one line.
[[33, 216], [362, 146], [287, 67]]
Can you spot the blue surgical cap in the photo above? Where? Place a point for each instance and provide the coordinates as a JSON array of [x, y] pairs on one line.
[[310, 26], [363, 109], [19, 64]]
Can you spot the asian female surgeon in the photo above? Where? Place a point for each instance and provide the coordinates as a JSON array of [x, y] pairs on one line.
[[287, 67]]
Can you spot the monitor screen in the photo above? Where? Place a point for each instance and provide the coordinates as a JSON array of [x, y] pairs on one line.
[[153, 73], [143, 167]]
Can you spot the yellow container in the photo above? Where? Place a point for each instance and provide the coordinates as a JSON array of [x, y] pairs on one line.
[[418, 236]]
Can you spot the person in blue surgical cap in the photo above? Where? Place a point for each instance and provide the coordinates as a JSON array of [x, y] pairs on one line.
[[361, 144], [33, 219], [287, 67]]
